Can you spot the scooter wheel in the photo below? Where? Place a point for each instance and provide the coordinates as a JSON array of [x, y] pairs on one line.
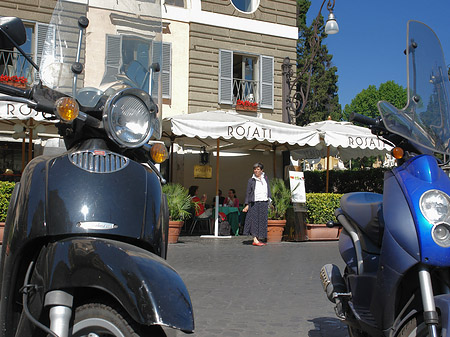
[[416, 327], [96, 319]]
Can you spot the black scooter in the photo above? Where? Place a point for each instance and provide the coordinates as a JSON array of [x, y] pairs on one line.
[[86, 231]]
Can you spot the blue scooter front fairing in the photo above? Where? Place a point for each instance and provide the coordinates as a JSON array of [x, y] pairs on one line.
[[416, 176]]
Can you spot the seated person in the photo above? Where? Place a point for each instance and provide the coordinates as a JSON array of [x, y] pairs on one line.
[[221, 199], [231, 200], [200, 210]]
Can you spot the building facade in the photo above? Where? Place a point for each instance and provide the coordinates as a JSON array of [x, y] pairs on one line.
[[225, 51], [222, 53], [216, 54]]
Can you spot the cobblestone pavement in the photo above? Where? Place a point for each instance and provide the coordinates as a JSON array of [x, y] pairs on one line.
[[241, 290]]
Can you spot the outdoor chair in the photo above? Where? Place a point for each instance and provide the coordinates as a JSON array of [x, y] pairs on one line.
[[202, 222]]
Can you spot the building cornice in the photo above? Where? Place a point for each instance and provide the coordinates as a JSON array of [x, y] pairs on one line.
[[196, 15]]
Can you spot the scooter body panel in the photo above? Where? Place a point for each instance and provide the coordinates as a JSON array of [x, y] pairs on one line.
[[144, 284], [57, 197], [417, 176]]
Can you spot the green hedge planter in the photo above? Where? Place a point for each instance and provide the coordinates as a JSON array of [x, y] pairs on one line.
[[320, 210], [6, 189]]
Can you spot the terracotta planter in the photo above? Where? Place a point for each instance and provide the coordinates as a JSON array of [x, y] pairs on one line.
[[320, 232], [174, 230], [2, 229], [275, 230], [246, 108]]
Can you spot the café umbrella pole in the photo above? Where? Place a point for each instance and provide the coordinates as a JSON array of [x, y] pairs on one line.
[[216, 209]]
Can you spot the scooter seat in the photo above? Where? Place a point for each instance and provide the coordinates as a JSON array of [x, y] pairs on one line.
[[364, 209]]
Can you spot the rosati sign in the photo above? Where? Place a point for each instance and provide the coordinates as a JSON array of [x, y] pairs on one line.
[[249, 132], [10, 110], [366, 142]]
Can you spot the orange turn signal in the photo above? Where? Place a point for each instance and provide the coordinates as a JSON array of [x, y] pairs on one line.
[[159, 153], [398, 152], [67, 109]]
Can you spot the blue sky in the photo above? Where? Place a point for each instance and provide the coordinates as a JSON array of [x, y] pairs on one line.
[[372, 37]]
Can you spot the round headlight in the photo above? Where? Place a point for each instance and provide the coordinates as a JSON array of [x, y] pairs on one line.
[[128, 118], [434, 205], [441, 234]]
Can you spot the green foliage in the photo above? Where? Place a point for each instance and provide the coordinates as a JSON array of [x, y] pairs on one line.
[[281, 199], [6, 189], [179, 201], [365, 103], [321, 206], [345, 181], [318, 80]]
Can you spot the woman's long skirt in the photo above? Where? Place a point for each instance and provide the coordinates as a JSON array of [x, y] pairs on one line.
[[256, 219]]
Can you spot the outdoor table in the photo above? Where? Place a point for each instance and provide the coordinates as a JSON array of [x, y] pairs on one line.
[[232, 214]]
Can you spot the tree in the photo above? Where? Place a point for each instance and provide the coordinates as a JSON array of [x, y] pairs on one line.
[[316, 93], [365, 103]]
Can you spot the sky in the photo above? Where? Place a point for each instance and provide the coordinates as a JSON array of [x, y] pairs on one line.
[[368, 50]]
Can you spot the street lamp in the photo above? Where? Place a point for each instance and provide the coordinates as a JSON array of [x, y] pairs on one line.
[[295, 96]]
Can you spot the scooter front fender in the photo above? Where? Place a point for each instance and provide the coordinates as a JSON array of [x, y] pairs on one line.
[[147, 287], [442, 302]]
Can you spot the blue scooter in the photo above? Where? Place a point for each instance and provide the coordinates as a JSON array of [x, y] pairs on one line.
[[396, 245]]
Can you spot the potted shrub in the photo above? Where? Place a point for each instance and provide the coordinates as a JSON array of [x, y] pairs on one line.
[[281, 200], [6, 189], [180, 205], [320, 209]]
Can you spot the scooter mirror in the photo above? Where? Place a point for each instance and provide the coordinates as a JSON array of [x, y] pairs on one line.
[[12, 32]]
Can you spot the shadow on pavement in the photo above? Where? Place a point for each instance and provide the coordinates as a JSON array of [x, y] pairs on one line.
[[328, 327]]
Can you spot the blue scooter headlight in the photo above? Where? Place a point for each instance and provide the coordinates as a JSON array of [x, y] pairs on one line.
[[435, 206], [441, 235]]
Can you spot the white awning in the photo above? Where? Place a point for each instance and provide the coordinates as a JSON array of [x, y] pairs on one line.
[[236, 131], [344, 138], [12, 110]]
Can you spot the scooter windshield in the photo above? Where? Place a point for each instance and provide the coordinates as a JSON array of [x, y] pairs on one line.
[[425, 119], [121, 46]]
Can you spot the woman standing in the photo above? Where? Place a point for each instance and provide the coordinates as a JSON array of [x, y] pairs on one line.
[[257, 205]]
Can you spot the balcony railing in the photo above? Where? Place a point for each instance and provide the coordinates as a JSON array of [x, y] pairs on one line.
[[12, 63], [245, 90]]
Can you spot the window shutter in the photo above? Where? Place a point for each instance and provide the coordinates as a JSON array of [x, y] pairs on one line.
[[166, 70], [225, 76], [41, 35], [157, 57], [113, 55], [266, 72]]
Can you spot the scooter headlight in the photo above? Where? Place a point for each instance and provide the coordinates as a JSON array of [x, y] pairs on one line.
[[129, 117], [435, 205], [441, 235]]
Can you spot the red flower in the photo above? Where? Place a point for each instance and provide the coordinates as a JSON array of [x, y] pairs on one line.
[[246, 103]]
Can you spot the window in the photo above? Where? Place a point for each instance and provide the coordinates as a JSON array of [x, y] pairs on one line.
[[121, 50], [246, 6], [13, 63], [245, 77], [177, 3]]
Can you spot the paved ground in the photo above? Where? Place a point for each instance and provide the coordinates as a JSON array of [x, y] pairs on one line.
[[241, 290]]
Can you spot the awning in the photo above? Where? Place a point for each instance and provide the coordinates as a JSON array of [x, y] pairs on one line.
[[236, 131], [344, 139], [12, 110]]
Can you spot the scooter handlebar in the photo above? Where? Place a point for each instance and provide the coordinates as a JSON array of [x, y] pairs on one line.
[[363, 119]]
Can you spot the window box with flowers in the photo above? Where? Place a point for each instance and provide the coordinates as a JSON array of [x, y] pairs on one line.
[[246, 105], [15, 81]]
